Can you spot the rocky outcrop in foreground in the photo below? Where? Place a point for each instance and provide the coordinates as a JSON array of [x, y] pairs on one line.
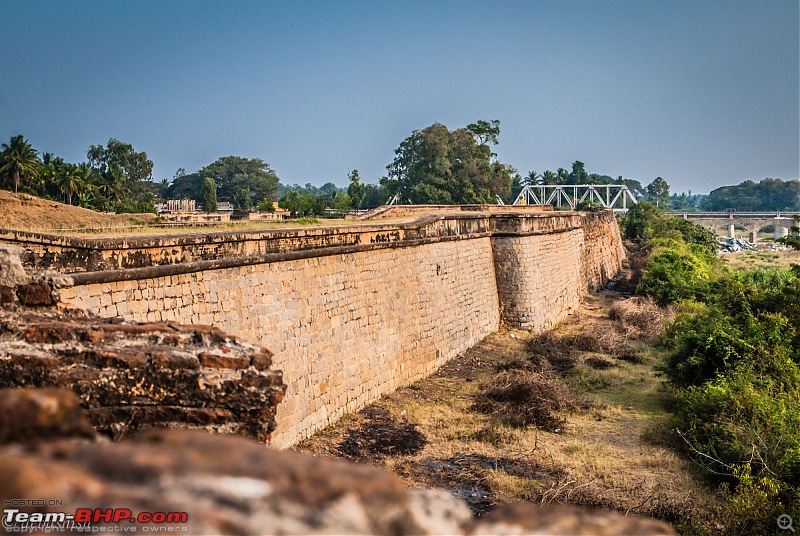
[[131, 377], [234, 485]]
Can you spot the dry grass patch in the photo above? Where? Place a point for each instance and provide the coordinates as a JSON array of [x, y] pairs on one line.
[[522, 398], [748, 260], [640, 317], [485, 418]]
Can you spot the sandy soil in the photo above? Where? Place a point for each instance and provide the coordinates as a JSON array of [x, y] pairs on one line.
[[28, 213]]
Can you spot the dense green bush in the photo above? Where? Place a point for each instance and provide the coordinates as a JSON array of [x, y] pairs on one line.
[[144, 205], [676, 271], [735, 360], [682, 254], [742, 428], [644, 223]]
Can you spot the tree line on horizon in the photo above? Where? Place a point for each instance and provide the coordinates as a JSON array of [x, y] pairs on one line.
[[434, 165]]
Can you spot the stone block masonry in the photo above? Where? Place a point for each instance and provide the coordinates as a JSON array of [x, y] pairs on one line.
[[351, 313]]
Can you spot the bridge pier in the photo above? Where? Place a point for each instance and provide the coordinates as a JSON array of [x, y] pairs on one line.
[[753, 236], [731, 230], [781, 232]]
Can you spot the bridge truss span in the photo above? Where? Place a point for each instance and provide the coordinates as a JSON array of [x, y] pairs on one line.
[[614, 196]]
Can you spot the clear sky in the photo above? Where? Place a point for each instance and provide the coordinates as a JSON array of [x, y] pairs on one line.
[[702, 93]]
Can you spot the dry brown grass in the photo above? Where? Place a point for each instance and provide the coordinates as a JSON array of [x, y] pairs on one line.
[[606, 453], [640, 317], [748, 260], [30, 213], [521, 397]]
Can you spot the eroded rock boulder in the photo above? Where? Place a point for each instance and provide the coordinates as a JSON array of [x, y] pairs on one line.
[[235, 485], [227, 485], [130, 377]]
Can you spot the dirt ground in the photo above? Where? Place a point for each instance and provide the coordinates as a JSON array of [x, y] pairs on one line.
[[748, 260], [577, 415], [29, 213]]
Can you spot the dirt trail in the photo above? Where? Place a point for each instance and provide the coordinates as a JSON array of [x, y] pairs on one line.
[[471, 428]]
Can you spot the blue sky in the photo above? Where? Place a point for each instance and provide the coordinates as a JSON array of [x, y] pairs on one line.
[[702, 93]]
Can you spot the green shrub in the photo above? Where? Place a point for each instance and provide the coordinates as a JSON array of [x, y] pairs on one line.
[[676, 271], [743, 429], [266, 206], [735, 358], [696, 234], [644, 223]]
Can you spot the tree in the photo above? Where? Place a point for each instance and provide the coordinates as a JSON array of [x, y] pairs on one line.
[[658, 190], [47, 172], [343, 203], [243, 200], [531, 179], [562, 175], [231, 175], [129, 171], [516, 185], [69, 179], [308, 205], [208, 195], [356, 189], [485, 132], [548, 177], [113, 184], [19, 161], [377, 194], [439, 166], [767, 195], [578, 175], [290, 202]]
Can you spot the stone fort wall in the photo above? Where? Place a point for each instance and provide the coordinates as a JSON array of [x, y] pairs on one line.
[[354, 313]]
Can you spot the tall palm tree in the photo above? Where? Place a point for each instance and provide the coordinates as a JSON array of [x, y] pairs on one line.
[[113, 183], [548, 177], [70, 181], [531, 179], [19, 160], [563, 175]]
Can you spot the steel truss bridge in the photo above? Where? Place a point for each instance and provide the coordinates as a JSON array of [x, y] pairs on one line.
[[615, 196]]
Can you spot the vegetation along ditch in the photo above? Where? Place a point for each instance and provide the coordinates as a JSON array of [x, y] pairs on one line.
[[673, 394]]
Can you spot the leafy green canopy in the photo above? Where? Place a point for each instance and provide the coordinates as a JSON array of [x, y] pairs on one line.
[[644, 224], [231, 174], [767, 195], [208, 195], [116, 177], [18, 161], [439, 166]]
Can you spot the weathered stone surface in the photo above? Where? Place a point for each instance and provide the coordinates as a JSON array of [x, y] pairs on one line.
[[31, 415], [229, 485], [35, 294], [133, 377], [8, 297], [11, 271]]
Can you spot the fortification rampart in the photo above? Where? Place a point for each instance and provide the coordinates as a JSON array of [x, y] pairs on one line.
[[351, 313]]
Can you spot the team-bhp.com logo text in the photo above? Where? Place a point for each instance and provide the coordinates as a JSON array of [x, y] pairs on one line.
[[93, 520]]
